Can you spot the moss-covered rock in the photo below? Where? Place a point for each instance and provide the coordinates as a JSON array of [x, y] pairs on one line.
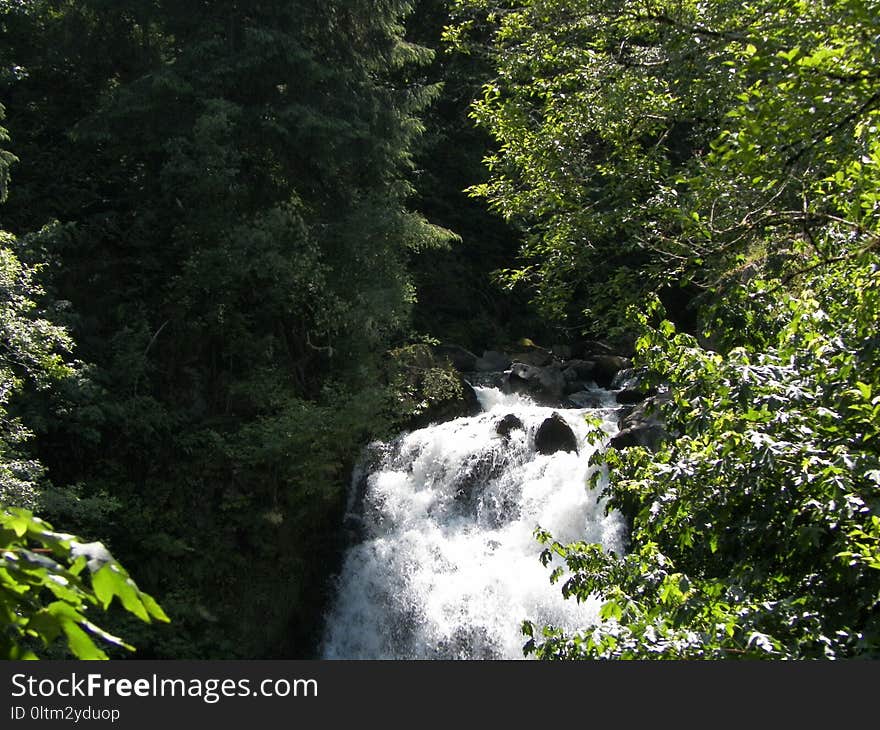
[[429, 390]]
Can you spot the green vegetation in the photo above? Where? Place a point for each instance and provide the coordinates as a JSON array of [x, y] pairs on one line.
[[729, 150], [217, 193], [56, 569], [244, 215], [43, 591], [755, 528]]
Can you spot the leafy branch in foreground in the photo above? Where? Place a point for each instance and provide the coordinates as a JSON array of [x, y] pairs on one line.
[[50, 581]]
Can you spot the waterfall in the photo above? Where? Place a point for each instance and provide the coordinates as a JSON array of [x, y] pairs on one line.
[[446, 565]]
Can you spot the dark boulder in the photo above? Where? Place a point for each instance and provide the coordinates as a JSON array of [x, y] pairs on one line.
[[570, 375], [575, 386], [473, 476], [629, 396], [644, 412], [508, 424], [492, 361], [462, 360], [626, 378], [641, 425], [583, 368], [546, 385], [588, 349], [607, 366], [537, 356], [488, 379], [553, 435], [649, 435]]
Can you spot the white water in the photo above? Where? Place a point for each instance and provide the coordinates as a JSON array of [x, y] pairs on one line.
[[448, 567]]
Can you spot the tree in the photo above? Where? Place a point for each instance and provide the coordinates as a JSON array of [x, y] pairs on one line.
[[647, 146], [459, 298], [32, 355], [595, 107], [755, 526], [236, 262], [44, 592]]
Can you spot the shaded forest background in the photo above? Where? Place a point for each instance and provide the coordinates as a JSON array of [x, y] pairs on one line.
[[227, 223]]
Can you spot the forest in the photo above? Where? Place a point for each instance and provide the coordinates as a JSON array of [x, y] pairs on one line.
[[236, 239]]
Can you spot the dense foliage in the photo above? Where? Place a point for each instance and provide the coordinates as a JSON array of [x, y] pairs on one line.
[[647, 146], [755, 526], [44, 591], [217, 201], [459, 299], [228, 185]]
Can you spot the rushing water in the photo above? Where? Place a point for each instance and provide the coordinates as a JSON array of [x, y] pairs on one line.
[[446, 565]]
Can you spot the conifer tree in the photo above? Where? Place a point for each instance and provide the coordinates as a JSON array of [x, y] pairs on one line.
[[233, 239]]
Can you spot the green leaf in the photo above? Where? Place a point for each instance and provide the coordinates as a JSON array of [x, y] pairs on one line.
[[611, 610], [105, 584], [112, 581], [80, 642], [153, 608], [19, 522]]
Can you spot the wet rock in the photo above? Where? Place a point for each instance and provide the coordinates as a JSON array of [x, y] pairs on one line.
[[607, 366], [585, 399], [475, 474], [546, 385], [649, 435], [492, 361], [629, 396], [576, 386], [626, 378], [553, 435], [489, 379], [508, 424], [570, 375], [642, 413], [583, 368], [641, 425], [537, 356], [573, 386]]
